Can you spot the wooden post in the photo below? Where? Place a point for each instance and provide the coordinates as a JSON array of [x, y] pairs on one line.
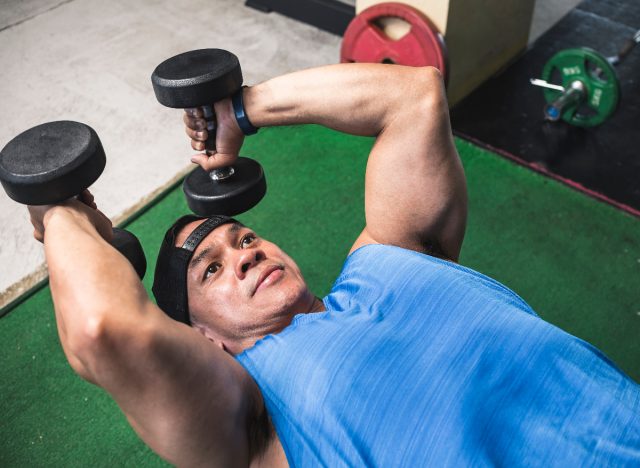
[[481, 37]]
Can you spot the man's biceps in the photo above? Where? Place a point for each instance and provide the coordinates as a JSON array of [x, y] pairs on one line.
[[450, 233]]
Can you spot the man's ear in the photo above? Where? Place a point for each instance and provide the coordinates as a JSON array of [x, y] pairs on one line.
[[209, 336], [219, 343], [205, 332]]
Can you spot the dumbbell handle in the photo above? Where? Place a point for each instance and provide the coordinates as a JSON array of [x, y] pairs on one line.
[[210, 144], [544, 84]]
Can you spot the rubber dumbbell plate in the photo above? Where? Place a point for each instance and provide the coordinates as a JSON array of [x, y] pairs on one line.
[[51, 162], [232, 196], [129, 246], [196, 78]]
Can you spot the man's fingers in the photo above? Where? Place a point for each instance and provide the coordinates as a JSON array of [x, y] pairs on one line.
[[37, 235], [197, 145], [199, 135], [215, 161], [203, 161], [194, 123], [87, 198], [105, 217], [196, 129], [36, 213], [194, 111]]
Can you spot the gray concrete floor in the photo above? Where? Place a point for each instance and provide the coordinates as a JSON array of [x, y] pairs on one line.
[[90, 60]]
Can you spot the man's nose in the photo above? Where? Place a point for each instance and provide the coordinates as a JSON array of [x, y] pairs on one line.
[[248, 259]]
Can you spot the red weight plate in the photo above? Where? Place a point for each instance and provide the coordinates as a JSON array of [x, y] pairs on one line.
[[365, 41]]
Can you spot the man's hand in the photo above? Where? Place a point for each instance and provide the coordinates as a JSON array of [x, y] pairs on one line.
[[84, 206], [228, 136]]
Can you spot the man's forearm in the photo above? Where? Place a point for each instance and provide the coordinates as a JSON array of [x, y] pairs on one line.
[[360, 99], [90, 282]]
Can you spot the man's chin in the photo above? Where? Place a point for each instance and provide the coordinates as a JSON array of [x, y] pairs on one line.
[[283, 298]]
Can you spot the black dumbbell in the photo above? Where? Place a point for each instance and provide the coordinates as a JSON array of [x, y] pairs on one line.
[[198, 79], [55, 161]]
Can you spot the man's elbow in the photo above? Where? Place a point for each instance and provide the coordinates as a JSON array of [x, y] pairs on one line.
[[85, 344], [430, 90]]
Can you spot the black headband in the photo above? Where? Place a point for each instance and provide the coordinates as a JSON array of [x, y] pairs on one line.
[[170, 279]]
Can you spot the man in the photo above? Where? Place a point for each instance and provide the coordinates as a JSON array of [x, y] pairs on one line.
[[410, 360]]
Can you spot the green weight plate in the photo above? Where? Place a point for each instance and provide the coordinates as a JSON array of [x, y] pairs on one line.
[[596, 74]]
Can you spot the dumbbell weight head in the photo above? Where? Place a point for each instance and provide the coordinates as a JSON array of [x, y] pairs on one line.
[[128, 245], [196, 78], [53, 162], [200, 78], [230, 196]]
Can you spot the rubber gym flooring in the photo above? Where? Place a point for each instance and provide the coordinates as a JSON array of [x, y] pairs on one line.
[[574, 259]]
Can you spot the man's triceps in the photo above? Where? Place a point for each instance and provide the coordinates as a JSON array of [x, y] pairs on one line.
[[415, 191], [186, 398]]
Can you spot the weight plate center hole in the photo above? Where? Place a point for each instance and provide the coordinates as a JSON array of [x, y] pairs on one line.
[[392, 27], [556, 77], [595, 72]]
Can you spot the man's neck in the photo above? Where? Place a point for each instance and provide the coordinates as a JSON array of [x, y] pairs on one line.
[[317, 305]]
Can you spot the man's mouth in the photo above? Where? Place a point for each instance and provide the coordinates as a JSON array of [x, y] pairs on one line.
[[268, 276]]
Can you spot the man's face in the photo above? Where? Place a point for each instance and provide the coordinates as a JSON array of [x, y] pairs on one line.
[[241, 287]]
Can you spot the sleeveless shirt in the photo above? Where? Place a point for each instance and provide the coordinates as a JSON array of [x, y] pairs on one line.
[[421, 362]]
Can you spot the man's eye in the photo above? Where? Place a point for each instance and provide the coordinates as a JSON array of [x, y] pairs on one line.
[[211, 270], [247, 240]]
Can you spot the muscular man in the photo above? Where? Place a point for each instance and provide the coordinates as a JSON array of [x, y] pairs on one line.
[[411, 360]]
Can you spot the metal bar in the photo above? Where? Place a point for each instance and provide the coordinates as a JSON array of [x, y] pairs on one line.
[[571, 97], [544, 84]]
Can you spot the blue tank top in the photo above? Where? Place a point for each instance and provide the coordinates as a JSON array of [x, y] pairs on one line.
[[422, 362]]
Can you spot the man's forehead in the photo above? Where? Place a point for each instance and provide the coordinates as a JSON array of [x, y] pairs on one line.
[[212, 241], [185, 232]]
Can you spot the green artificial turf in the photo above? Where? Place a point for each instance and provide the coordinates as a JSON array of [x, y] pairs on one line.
[[575, 260]]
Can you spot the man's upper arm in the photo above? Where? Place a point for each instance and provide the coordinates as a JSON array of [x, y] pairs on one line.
[[186, 398], [415, 189]]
